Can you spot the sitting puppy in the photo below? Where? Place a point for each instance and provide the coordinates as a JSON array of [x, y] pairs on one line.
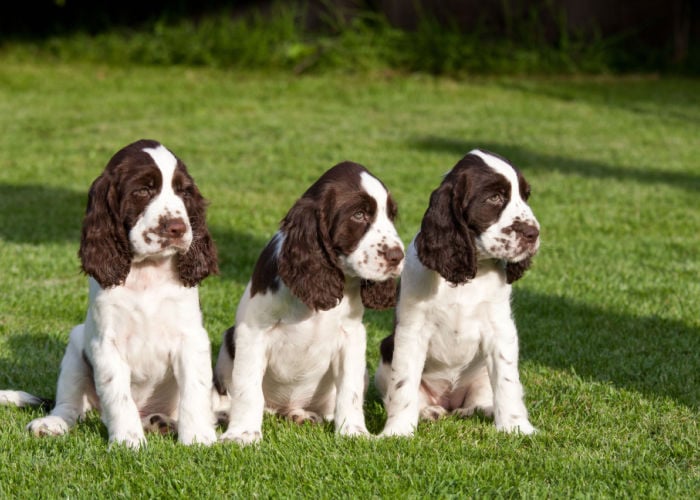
[[298, 344], [455, 346], [142, 357]]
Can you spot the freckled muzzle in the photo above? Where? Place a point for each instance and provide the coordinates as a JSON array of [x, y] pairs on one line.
[[170, 232], [379, 263], [171, 228], [526, 235], [394, 258]]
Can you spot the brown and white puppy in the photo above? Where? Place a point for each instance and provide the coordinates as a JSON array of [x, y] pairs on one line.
[[142, 357], [298, 344], [455, 346]]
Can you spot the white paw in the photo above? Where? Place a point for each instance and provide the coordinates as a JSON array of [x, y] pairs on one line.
[[521, 427], [159, 423], [241, 437], [204, 436], [433, 412], [48, 426], [356, 430], [132, 440], [397, 428], [486, 411], [300, 416]]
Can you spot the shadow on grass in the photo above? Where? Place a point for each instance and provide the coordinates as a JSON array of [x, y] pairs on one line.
[[669, 100], [531, 161], [35, 213], [650, 355], [238, 252], [32, 362]]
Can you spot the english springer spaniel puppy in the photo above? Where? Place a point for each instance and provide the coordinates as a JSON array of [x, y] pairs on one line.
[[142, 357], [298, 344], [454, 348]]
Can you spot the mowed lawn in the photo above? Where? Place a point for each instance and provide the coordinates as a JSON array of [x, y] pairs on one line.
[[609, 315]]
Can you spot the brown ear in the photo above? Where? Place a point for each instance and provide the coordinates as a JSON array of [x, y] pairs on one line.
[[515, 270], [378, 294], [306, 262], [105, 253], [201, 259], [445, 243]]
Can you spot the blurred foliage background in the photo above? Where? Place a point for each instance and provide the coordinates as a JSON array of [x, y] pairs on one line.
[[449, 37]]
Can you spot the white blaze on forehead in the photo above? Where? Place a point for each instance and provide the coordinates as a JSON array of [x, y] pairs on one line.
[[368, 260], [166, 162], [499, 166], [375, 189], [518, 207], [145, 236]]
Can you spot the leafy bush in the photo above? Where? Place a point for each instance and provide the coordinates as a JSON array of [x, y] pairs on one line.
[[280, 39]]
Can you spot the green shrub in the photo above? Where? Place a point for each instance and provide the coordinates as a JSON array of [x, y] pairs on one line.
[[280, 40]]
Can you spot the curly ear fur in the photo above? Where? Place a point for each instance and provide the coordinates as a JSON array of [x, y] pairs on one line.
[[105, 253], [515, 270], [379, 294], [306, 263], [201, 259], [445, 243]]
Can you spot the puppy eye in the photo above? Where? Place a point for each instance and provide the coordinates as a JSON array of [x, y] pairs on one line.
[[185, 191], [359, 216], [143, 192], [496, 199]]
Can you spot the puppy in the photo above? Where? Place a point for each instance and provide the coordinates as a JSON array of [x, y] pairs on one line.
[[142, 357], [298, 344], [455, 347]]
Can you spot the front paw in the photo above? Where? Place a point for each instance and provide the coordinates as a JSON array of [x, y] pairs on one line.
[[356, 430], [398, 428], [132, 440], [241, 437], [521, 427], [48, 426], [204, 436]]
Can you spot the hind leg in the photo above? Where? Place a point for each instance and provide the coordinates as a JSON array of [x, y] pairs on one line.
[[478, 397], [74, 385], [300, 416], [159, 423]]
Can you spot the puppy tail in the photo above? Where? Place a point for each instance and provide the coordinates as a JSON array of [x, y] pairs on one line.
[[23, 399]]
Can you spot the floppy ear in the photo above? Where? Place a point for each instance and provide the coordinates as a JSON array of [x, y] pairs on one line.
[[378, 294], [515, 270], [201, 259], [445, 243], [105, 253], [306, 261]]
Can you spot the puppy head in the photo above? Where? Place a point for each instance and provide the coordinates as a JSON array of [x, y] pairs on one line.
[[479, 211], [342, 227], [145, 205]]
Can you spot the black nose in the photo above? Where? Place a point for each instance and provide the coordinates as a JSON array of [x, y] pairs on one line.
[[393, 256], [173, 228], [527, 231]]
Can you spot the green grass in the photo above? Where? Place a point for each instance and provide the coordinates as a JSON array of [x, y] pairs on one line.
[[609, 316]]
